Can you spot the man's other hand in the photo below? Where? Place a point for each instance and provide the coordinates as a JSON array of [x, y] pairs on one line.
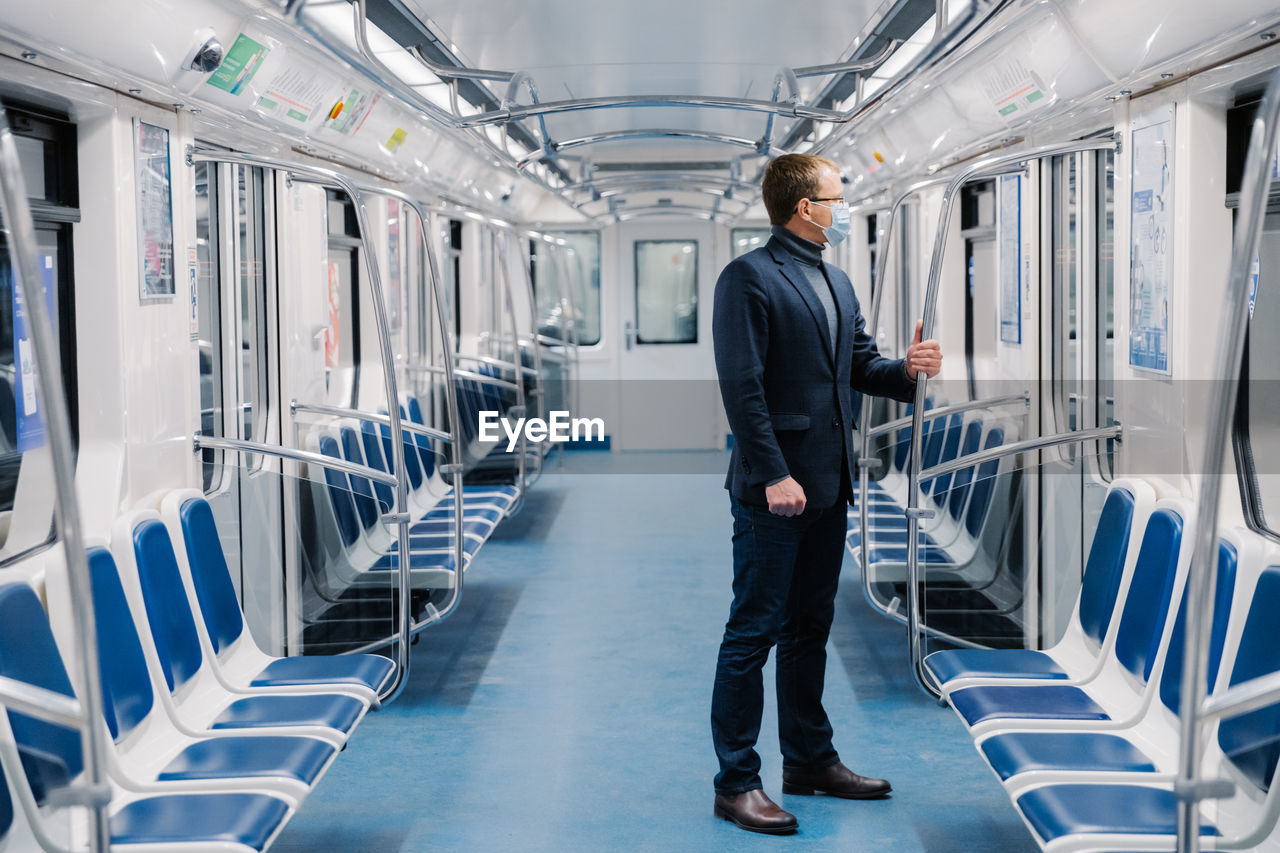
[[923, 356], [785, 497]]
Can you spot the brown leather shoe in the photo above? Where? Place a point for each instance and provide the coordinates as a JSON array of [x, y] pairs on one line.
[[754, 811], [836, 780]]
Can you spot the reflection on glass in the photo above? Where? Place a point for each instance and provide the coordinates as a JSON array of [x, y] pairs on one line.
[[1262, 370], [743, 240], [253, 328], [667, 291], [1066, 346]]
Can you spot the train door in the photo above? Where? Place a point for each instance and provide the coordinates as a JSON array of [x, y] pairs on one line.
[[1077, 230], [668, 395], [235, 230]]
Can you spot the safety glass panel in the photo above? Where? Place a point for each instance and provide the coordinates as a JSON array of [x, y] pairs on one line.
[[567, 285], [1257, 434], [666, 291]]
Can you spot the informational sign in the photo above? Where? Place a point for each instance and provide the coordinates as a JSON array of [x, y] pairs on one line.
[[155, 211], [240, 65], [1151, 227], [348, 114], [331, 331], [1009, 240], [30, 433], [294, 92], [1012, 88]]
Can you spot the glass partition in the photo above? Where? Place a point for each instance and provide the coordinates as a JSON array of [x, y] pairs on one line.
[[666, 291]]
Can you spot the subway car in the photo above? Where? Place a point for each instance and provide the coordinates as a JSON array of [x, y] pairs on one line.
[[297, 291]]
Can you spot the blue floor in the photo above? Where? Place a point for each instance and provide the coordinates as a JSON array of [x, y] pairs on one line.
[[565, 706]]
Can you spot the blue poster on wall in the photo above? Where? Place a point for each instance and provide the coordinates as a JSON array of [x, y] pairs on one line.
[[1151, 238], [25, 396], [1010, 242]]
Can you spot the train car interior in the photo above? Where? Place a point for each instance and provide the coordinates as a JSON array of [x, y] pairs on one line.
[[363, 443]]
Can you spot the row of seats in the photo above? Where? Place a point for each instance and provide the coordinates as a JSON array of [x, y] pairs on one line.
[[1084, 736], [211, 743], [962, 501]]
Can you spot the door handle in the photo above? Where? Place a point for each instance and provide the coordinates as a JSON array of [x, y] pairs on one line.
[[629, 334]]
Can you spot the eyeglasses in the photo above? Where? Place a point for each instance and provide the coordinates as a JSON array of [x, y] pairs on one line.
[[838, 198]]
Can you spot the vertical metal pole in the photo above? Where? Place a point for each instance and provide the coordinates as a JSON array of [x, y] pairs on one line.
[[1235, 323], [57, 423], [517, 357], [539, 387]]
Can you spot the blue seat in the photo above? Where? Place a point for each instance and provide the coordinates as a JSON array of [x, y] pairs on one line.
[[178, 646], [1098, 592], [1137, 641], [1012, 753], [128, 699], [248, 819], [28, 653], [224, 621], [1057, 810]]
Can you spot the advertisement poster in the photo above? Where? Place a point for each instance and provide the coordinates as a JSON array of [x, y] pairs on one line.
[[155, 212], [30, 433], [1151, 222], [1009, 239]]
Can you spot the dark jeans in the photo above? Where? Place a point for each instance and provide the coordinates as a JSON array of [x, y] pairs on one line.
[[785, 573]]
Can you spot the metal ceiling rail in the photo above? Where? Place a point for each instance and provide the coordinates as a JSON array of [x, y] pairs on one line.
[[870, 63], [914, 511], [631, 135], [15, 212], [1254, 187]]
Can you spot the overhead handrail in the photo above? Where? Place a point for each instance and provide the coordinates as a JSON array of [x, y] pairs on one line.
[[15, 210], [991, 454], [914, 512], [329, 177], [240, 445], [947, 411], [1222, 406], [371, 417]]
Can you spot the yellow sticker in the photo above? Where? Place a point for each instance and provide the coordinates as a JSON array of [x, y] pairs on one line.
[[879, 157], [336, 111], [396, 140]]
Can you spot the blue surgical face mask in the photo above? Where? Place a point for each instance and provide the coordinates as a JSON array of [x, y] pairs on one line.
[[841, 223]]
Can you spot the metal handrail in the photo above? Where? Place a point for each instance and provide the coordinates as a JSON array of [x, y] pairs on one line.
[[1032, 444], [500, 245], [923, 678], [1242, 698], [16, 213], [869, 63], [1222, 406], [495, 362], [435, 614], [240, 445], [40, 702], [371, 417], [329, 177], [469, 375], [864, 414], [631, 135], [945, 411]]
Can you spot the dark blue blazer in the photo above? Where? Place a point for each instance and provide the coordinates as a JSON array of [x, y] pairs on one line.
[[790, 396]]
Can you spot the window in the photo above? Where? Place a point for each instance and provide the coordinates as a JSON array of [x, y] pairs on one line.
[[978, 228], [566, 282], [235, 253], [1105, 411], [1064, 253], [46, 147], [743, 240], [666, 291], [209, 302], [1257, 423], [342, 337]]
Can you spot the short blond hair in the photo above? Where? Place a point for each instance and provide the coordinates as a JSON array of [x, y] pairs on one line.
[[788, 179]]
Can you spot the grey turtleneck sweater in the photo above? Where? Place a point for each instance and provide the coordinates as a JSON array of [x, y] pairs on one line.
[[809, 256]]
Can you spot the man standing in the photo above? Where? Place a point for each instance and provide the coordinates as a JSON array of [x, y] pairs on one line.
[[792, 356]]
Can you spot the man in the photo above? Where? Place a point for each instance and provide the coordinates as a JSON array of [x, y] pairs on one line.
[[792, 356]]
